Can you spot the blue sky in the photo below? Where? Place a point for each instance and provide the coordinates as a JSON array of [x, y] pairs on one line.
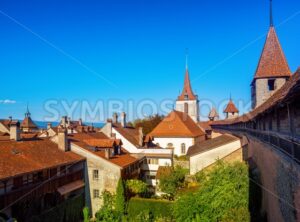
[[134, 50]]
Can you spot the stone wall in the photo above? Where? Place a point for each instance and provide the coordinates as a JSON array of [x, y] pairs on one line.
[[262, 92], [280, 182]]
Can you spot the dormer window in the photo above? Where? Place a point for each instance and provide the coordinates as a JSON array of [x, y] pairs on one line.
[[271, 84]]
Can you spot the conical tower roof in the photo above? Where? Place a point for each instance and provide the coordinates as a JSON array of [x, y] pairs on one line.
[[187, 92]]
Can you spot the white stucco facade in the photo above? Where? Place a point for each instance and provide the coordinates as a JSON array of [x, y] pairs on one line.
[[176, 144], [202, 160], [193, 108]]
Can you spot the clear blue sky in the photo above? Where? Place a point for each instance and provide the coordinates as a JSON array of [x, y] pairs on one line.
[[52, 49]]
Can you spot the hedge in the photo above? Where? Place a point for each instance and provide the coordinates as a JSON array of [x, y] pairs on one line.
[[158, 208], [68, 211]]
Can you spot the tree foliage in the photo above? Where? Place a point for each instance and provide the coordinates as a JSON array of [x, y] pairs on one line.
[[223, 196], [136, 187], [148, 123], [107, 212], [120, 198], [171, 179]]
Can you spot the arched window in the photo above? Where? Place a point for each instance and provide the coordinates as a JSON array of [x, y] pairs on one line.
[[183, 149], [170, 146], [186, 108]]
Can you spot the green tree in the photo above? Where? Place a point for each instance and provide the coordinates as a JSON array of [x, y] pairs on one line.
[[86, 214], [171, 179], [148, 123], [120, 198], [223, 196], [136, 187], [107, 212]]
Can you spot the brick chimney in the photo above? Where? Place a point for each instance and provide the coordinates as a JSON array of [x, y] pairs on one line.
[[115, 118], [62, 139], [49, 125], [141, 136], [123, 119], [15, 130]]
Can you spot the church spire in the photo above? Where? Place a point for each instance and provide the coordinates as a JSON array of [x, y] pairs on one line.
[[272, 62], [271, 14], [187, 92], [27, 114]]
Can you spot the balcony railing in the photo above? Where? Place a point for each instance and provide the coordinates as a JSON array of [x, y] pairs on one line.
[[285, 143], [40, 188]]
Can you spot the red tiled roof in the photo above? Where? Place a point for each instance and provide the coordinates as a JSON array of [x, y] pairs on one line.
[[272, 62], [282, 94], [122, 160], [213, 113], [30, 156], [177, 124], [210, 144], [205, 125], [6, 123], [130, 133], [231, 108], [187, 89], [103, 143], [28, 123]]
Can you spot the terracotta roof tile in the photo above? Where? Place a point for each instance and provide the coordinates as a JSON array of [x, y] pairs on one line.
[[130, 133], [187, 89], [28, 123], [29, 156], [177, 124], [272, 62], [231, 108], [122, 160], [210, 144], [284, 93]]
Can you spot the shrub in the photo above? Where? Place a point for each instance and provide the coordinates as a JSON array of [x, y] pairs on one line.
[[107, 212], [120, 198], [148, 209], [172, 179], [223, 196], [86, 214], [136, 187]]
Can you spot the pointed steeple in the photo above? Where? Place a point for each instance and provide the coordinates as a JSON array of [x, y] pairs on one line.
[[272, 62], [271, 14], [187, 92], [27, 114]]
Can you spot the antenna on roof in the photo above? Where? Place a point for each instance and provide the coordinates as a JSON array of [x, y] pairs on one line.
[[230, 96], [271, 14], [186, 58]]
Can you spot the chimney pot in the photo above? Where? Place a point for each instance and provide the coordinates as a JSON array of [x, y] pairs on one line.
[[80, 122], [115, 118], [49, 125], [62, 139], [107, 153], [123, 119]]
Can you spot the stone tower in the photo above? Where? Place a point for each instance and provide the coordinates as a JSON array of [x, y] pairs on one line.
[[272, 70], [187, 101]]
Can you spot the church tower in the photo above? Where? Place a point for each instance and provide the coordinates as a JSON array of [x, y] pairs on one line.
[[187, 101], [272, 70]]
